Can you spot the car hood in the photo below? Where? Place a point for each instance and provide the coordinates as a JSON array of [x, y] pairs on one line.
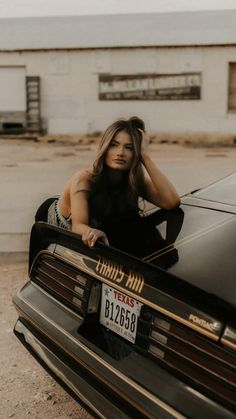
[[203, 254]]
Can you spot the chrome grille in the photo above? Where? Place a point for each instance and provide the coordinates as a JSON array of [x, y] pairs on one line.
[[66, 283], [207, 365]]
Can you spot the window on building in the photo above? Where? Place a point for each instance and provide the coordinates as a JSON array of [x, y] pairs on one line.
[[232, 88]]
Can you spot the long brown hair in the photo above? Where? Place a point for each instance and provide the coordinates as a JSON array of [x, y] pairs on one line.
[[133, 181]]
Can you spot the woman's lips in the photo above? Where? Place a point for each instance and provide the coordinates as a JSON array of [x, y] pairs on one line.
[[121, 161]]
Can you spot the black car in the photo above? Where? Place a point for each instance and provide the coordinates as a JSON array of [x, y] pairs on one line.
[[144, 331]]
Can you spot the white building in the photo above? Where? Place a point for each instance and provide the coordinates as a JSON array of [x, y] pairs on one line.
[[175, 70]]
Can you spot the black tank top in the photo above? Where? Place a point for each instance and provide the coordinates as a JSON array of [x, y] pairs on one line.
[[120, 224]]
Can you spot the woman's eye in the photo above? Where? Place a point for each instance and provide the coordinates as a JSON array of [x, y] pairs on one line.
[[129, 147]]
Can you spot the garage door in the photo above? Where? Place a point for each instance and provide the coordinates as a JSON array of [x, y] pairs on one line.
[[232, 87], [12, 88]]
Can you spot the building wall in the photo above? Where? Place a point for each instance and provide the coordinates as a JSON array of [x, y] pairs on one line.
[[70, 90]]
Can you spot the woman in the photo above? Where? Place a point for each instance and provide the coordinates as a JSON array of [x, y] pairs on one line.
[[102, 203]]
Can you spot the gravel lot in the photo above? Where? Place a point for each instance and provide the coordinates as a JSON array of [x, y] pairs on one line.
[[26, 390]]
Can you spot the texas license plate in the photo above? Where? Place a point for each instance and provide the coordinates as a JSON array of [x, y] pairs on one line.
[[119, 312]]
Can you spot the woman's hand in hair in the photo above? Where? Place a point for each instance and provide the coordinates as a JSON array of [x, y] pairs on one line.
[[158, 189], [91, 235], [145, 142]]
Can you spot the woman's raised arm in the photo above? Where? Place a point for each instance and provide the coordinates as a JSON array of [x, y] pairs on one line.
[[158, 189]]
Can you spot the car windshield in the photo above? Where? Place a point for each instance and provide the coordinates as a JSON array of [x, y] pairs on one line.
[[223, 191]]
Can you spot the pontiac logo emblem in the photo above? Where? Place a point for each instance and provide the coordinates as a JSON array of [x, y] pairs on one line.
[[202, 322], [113, 271]]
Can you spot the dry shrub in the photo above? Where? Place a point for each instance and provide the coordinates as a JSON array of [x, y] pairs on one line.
[[195, 139]]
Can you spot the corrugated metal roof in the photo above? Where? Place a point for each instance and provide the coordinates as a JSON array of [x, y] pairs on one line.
[[130, 30]]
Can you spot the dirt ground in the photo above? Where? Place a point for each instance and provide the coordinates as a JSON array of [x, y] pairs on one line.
[[26, 390]]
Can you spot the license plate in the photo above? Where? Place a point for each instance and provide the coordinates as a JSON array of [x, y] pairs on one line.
[[119, 312]]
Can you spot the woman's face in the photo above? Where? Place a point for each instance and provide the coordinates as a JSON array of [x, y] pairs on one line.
[[120, 152]]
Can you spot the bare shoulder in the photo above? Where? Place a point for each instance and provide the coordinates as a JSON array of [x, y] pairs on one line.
[[81, 175], [81, 180]]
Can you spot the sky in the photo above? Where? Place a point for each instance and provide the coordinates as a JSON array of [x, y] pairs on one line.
[[25, 8]]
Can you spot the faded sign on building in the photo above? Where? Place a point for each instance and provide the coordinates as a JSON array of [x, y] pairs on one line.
[[184, 86]]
